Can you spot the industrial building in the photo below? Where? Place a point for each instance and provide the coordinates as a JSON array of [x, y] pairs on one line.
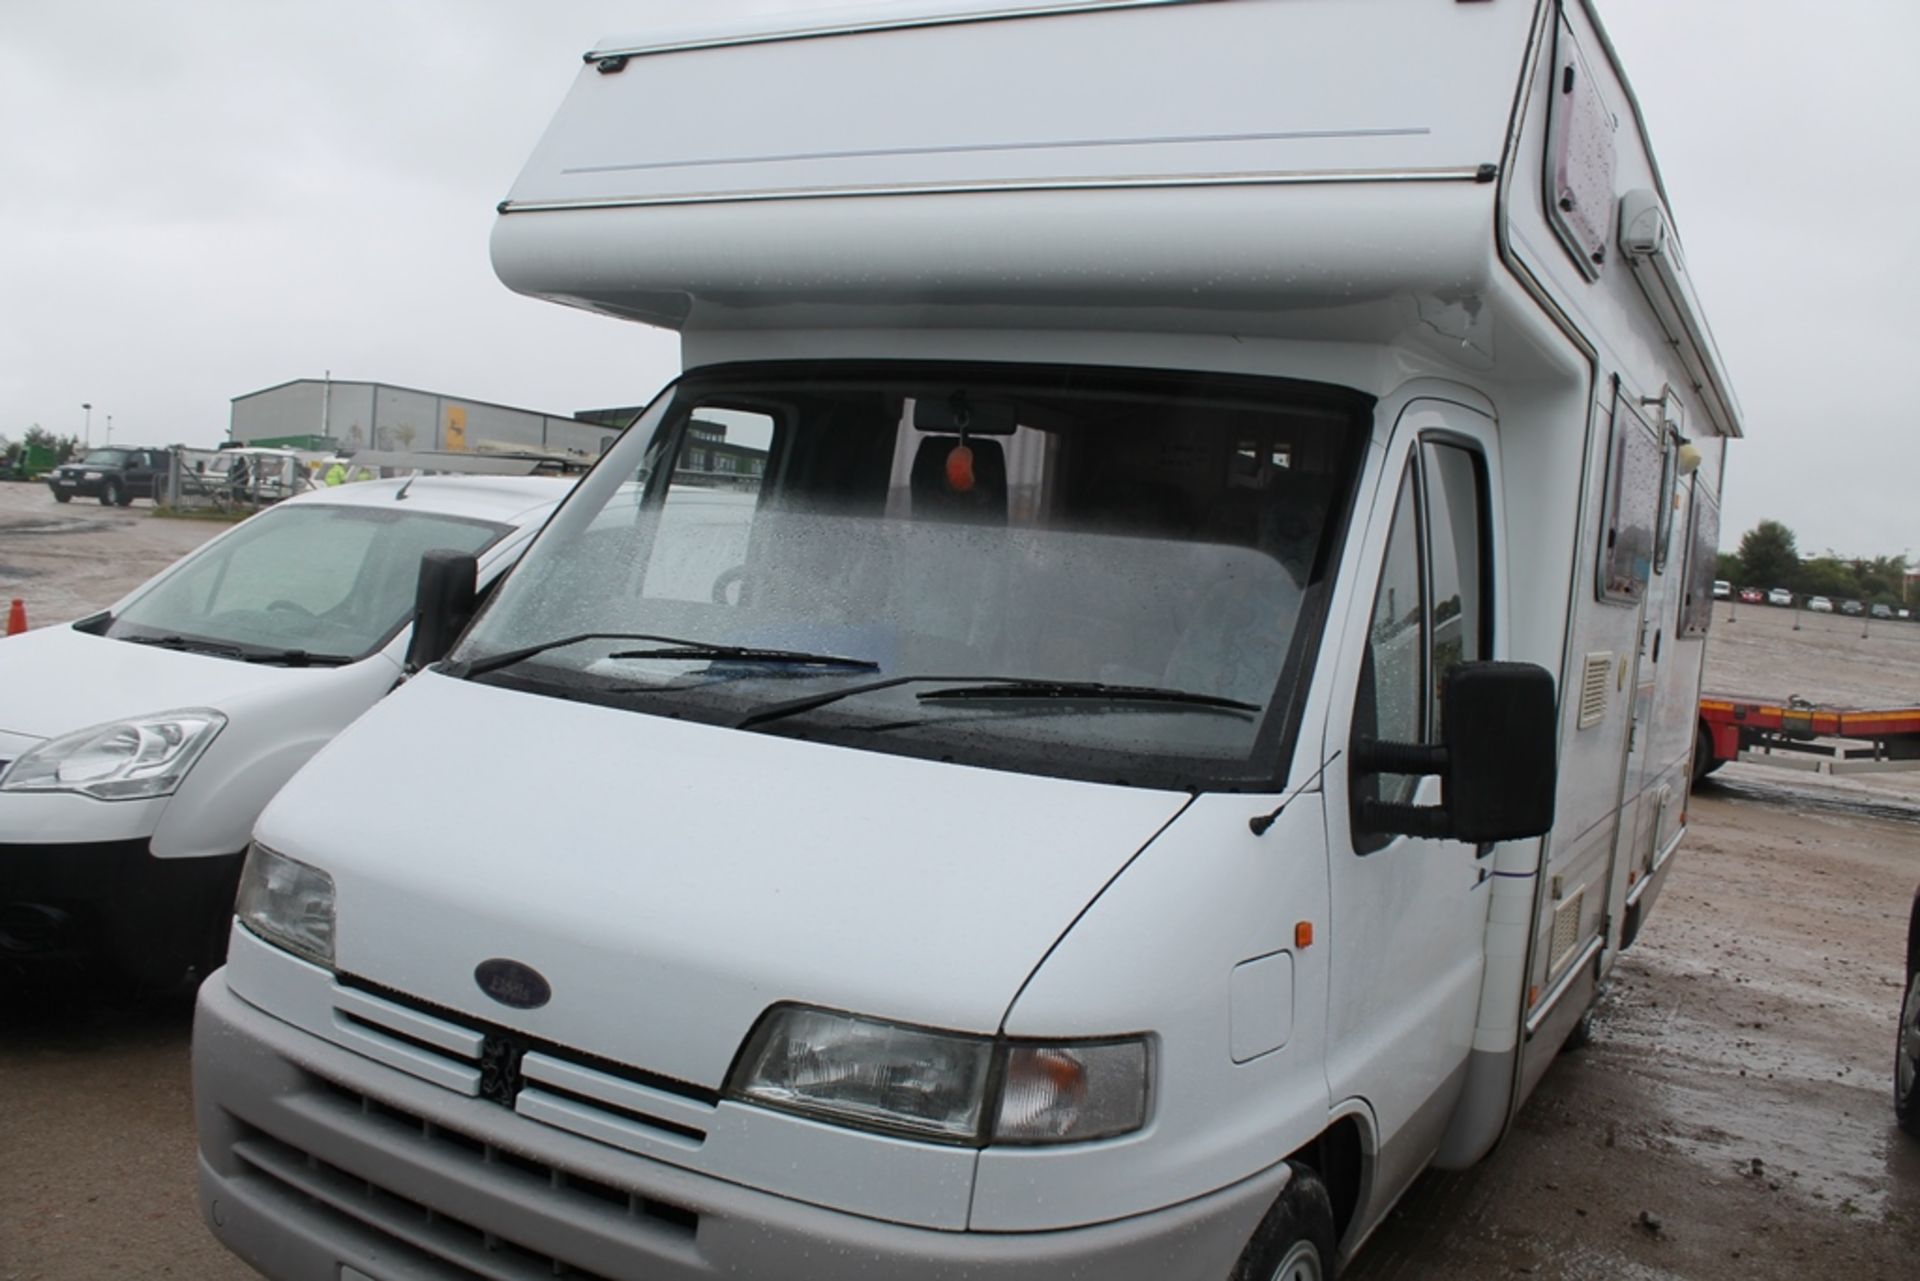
[[344, 416]]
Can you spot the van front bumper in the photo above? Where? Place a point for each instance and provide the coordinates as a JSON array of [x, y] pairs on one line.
[[147, 918], [317, 1163]]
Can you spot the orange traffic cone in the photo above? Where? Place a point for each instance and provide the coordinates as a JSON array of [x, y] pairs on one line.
[[17, 617]]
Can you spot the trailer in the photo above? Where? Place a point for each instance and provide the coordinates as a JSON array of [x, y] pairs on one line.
[[1796, 733]]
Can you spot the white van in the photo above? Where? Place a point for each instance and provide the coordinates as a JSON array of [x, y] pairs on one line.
[[1037, 756], [138, 745]]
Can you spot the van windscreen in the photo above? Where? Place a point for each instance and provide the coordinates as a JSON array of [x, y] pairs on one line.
[[1089, 573]]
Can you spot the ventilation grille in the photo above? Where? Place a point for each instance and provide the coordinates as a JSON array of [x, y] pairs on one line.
[[1593, 689], [448, 1235], [609, 1102], [1566, 931]]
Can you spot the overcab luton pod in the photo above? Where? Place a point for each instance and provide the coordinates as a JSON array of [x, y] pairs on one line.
[[1125, 703]]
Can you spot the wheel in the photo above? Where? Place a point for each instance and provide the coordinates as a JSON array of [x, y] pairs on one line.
[[124, 498], [61, 496], [1906, 1062], [1581, 1036], [110, 494], [1704, 761], [1295, 1241]]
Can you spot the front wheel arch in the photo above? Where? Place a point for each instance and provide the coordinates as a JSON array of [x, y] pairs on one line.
[[1296, 1240]]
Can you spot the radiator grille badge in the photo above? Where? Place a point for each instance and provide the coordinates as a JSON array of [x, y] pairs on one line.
[[511, 983]]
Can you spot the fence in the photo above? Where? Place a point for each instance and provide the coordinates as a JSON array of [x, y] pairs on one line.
[[232, 480]]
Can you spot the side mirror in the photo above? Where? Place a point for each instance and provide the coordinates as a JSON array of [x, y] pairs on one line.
[[1497, 762], [443, 605]]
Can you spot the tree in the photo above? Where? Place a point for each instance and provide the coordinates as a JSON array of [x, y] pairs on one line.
[[1769, 554], [1726, 565], [63, 447]]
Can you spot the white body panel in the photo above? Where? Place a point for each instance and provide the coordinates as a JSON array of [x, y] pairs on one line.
[[1221, 189]]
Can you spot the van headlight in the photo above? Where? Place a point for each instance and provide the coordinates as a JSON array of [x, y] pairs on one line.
[[947, 1087], [288, 903], [122, 760]]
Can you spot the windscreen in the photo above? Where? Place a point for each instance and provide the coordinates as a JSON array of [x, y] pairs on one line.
[[1079, 572], [313, 579]]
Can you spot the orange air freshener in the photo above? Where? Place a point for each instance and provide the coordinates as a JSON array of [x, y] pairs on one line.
[[960, 470]]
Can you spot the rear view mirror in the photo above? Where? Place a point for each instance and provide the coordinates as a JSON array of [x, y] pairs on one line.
[[443, 605], [959, 414], [1498, 762]]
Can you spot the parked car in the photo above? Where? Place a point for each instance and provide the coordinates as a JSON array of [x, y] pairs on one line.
[[1906, 1061], [1882, 610], [1752, 596], [1819, 605], [138, 745], [115, 476], [1780, 596], [1852, 607], [1722, 589]]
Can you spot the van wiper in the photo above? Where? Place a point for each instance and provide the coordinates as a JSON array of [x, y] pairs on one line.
[[1038, 690], [674, 647], [297, 658], [747, 653], [189, 644], [997, 687], [245, 653]]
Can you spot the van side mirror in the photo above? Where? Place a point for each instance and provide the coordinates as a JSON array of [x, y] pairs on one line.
[[443, 605], [1498, 761]]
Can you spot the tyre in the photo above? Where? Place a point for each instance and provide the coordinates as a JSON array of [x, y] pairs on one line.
[[1704, 761], [1581, 1036], [110, 494], [123, 496], [61, 496], [1295, 1241], [1906, 1063]]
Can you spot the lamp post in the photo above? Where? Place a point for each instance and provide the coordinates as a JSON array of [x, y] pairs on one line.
[[86, 431], [109, 429]]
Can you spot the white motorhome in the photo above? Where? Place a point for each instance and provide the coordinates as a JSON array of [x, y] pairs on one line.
[[1036, 756]]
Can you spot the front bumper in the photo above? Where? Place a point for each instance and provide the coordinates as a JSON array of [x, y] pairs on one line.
[[112, 901], [315, 1160], [76, 487]]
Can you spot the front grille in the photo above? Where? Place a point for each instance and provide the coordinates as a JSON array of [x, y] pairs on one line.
[[610, 1102], [367, 1203]]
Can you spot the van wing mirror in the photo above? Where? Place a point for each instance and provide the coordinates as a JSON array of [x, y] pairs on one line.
[[1498, 763], [443, 605]]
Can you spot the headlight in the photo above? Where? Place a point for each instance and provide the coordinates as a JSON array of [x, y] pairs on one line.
[[936, 1085], [287, 903], [123, 760]]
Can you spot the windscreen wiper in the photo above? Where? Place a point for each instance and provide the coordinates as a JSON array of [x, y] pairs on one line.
[[297, 658], [747, 653], [1046, 691], [674, 647], [997, 687], [190, 644]]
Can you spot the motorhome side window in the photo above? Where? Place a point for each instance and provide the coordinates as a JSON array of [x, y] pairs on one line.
[[1703, 549], [1637, 478], [1430, 609], [1090, 573]]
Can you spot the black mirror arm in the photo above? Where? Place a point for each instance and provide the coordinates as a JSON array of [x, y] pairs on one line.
[[1371, 756], [1406, 820]]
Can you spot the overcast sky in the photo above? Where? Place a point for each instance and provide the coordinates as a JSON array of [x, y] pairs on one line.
[[204, 198]]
